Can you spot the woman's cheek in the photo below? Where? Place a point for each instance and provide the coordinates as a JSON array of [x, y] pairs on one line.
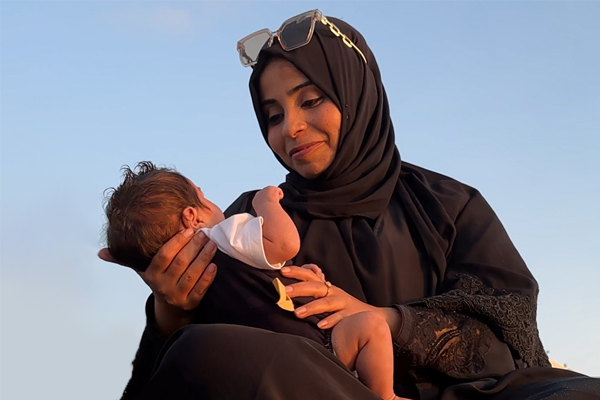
[[276, 144]]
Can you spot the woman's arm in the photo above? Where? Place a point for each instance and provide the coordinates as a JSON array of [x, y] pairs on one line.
[[181, 253], [483, 322], [146, 355], [456, 345], [178, 275]]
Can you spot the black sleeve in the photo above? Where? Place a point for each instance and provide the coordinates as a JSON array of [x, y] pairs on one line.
[[146, 355], [242, 204], [482, 322], [450, 343]]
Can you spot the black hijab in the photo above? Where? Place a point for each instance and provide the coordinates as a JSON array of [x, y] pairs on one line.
[[361, 179], [336, 212]]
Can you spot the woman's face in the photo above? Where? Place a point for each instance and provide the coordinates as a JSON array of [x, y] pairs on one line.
[[303, 123]]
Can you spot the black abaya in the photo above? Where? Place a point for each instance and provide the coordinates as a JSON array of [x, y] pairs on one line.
[[392, 235]]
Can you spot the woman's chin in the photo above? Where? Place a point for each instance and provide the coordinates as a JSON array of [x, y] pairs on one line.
[[310, 169], [307, 171]]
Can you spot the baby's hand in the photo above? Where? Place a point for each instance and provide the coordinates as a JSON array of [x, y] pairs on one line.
[[268, 194]]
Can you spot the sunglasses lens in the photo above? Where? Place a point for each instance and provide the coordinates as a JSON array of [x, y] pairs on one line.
[[296, 33], [252, 46]]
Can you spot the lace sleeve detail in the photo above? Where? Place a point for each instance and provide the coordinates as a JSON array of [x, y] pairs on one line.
[[447, 342], [471, 311]]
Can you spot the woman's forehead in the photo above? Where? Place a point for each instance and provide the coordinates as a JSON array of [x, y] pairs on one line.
[[282, 77]]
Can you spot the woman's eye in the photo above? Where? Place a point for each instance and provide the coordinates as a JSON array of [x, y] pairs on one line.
[[312, 102], [274, 119]]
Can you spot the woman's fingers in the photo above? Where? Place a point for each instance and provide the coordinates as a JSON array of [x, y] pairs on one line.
[[314, 289], [185, 256], [300, 273], [331, 320], [319, 306], [178, 272], [105, 255], [328, 298], [197, 268], [334, 300], [167, 253], [316, 270], [199, 290]]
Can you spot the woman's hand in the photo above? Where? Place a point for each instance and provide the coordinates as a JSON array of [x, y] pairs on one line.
[[329, 299], [178, 275]]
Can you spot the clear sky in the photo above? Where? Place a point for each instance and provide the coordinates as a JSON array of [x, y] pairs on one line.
[[503, 96]]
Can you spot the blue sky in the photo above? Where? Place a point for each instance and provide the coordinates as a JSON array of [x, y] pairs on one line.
[[503, 96]]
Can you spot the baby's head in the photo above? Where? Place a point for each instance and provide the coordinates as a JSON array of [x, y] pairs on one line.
[[150, 206]]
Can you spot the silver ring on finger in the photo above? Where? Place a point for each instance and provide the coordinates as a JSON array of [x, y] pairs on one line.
[[328, 286]]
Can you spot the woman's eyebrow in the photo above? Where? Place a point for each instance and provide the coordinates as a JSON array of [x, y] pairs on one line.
[[300, 86], [289, 93]]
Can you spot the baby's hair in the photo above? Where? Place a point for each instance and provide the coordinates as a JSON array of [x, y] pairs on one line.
[[144, 212]]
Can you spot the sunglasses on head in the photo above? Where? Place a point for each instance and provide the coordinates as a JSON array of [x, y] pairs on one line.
[[293, 33]]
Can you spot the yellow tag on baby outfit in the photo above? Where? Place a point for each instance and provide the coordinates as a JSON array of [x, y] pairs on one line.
[[284, 300]]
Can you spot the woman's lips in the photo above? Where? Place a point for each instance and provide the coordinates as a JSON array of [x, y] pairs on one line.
[[301, 151]]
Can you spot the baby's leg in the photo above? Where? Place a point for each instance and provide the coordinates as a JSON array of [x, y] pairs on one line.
[[363, 342]]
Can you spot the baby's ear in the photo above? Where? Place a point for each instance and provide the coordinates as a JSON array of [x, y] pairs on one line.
[[191, 218]]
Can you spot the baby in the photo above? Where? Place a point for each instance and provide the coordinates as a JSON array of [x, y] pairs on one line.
[[153, 204]]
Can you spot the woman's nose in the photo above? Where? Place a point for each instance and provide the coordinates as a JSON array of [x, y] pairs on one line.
[[293, 124]]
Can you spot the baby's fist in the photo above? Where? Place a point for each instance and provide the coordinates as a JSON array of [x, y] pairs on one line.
[[269, 194]]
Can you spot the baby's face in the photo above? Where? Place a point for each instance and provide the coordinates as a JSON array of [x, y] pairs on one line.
[[212, 214]]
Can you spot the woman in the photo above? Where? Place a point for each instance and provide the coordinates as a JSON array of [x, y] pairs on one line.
[[424, 251]]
